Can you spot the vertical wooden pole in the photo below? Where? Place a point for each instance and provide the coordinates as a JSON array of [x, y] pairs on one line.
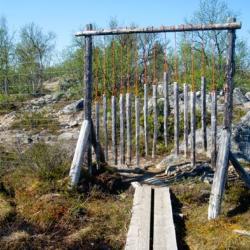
[[176, 118], [137, 130], [97, 132], [213, 128], [129, 134], [122, 141], [155, 120], [224, 149], [114, 132], [145, 114], [166, 105], [88, 92], [193, 127], [203, 113], [105, 126], [186, 126]]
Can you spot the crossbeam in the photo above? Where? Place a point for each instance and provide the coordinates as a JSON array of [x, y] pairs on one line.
[[161, 29]]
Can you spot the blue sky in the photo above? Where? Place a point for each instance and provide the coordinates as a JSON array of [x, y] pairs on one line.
[[64, 17]]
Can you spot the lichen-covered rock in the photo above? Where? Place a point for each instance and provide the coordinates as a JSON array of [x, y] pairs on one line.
[[238, 97]]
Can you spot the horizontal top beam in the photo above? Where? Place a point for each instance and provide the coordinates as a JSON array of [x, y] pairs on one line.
[[174, 28]]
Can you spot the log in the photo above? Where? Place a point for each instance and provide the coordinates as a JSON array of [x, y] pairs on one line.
[[193, 127], [203, 113], [114, 132], [88, 92], [81, 147], [223, 153], [164, 229], [139, 229], [122, 141], [155, 120], [176, 118], [186, 126], [213, 128], [166, 106], [105, 126], [129, 127], [137, 130], [239, 169], [145, 115], [173, 28]]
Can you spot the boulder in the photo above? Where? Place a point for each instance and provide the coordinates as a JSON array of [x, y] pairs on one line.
[[74, 107], [238, 97], [247, 95]]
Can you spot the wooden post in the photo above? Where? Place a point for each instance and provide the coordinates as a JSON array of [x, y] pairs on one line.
[[88, 91], [137, 130], [224, 149], [97, 132], [213, 128], [166, 105], [105, 126], [129, 132], [122, 141], [114, 134], [176, 118], [186, 126], [145, 114], [203, 113], [155, 119], [81, 147], [193, 127]]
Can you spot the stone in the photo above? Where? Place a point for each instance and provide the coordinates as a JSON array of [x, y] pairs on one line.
[[74, 107], [68, 136], [238, 97], [247, 95]]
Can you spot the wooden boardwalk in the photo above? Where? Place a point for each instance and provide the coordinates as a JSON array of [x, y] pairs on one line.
[[151, 225]]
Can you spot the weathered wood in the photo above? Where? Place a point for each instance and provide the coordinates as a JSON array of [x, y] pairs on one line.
[[155, 112], [164, 229], [88, 91], [81, 147], [193, 127], [223, 153], [129, 127], [239, 169], [203, 113], [219, 175], [122, 141], [138, 237], [213, 128], [173, 28], [145, 115], [176, 118], [166, 106], [137, 130], [114, 132], [186, 126], [105, 126], [97, 132]]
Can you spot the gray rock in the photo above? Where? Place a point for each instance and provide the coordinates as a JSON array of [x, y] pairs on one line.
[[74, 107], [66, 136], [247, 95], [238, 97]]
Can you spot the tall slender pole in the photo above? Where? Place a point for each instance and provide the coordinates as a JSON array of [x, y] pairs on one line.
[[155, 120], [166, 104], [185, 87], [114, 131], [225, 143], [145, 115], [176, 118], [122, 141], [88, 92], [97, 132], [203, 113], [129, 128], [193, 127], [137, 130], [213, 128]]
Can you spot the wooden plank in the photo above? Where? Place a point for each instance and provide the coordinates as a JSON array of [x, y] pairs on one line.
[[186, 125], [122, 141], [240, 170], [105, 126], [166, 106], [145, 115], [81, 147], [213, 128], [155, 120], [164, 237], [129, 127], [173, 28], [137, 130], [88, 91], [97, 133], [203, 113], [193, 127], [176, 118], [114, 132], [138, 237]]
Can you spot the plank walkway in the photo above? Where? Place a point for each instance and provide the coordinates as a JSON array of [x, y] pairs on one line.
[[151, 225]]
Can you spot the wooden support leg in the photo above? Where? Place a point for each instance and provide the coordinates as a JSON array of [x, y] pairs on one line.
[[137, 130], [176, 118], [203, 113], [213, 128], [114, 134], [186, 126], [122, 141], [166, 105], [155, 120], [105, 127], [129, 132], [146, 118]]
